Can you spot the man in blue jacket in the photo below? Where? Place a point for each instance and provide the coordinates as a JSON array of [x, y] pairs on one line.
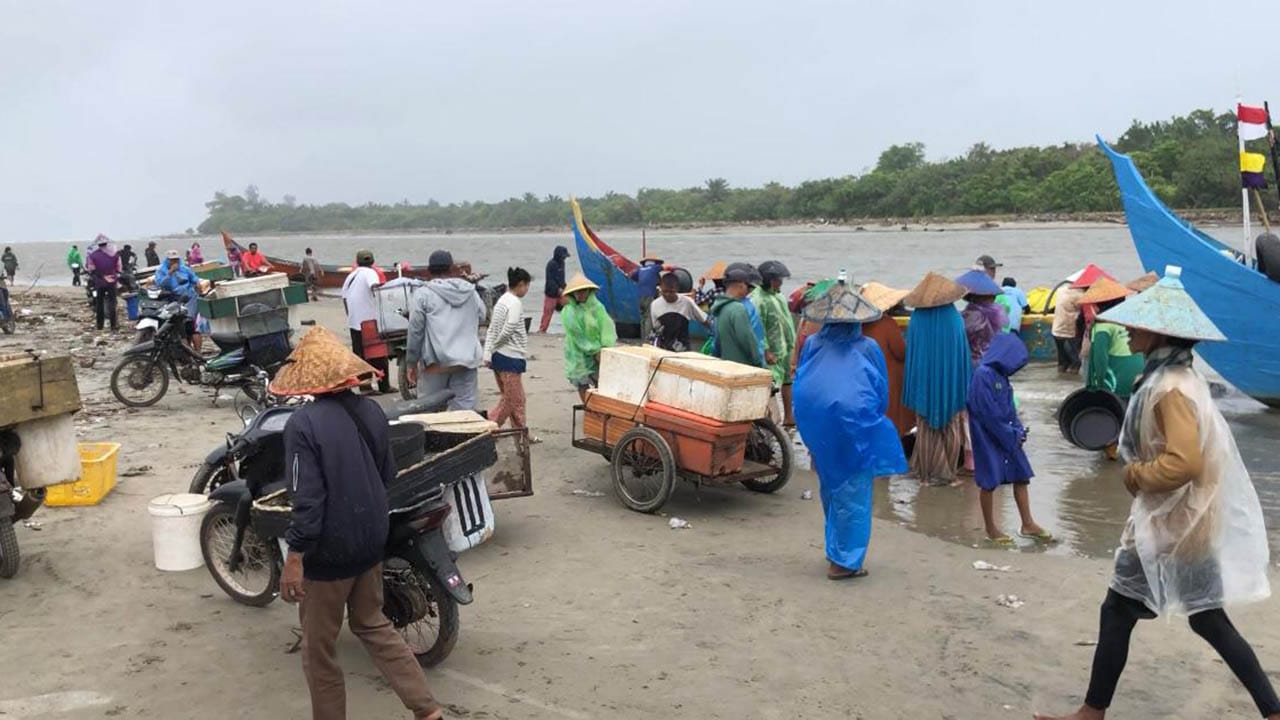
[[338, 460], [553, 290]]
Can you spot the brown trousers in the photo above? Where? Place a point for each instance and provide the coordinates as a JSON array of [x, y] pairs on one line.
[[320, 613]]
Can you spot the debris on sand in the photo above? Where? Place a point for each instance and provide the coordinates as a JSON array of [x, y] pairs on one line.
[[986, 566], [587, 493], [1010, 601], [678, 524], [136, 470]]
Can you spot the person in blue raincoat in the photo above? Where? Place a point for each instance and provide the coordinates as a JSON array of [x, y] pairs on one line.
[[997, 436], [841, 398], [176, 277]]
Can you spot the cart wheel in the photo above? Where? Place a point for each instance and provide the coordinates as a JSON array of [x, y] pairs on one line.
[[644, 471], [769, 445]]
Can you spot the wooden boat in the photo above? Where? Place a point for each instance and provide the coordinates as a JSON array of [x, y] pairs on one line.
[[1238, 299], [334, 275]]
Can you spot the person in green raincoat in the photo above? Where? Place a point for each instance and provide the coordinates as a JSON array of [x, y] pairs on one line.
[[588, 329], [779, 330], [75, 264], [1112, 365]]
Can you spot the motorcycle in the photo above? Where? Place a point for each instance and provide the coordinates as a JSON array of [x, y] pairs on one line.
[[141, 378], [422, 586], [16, 504], [151, 302]]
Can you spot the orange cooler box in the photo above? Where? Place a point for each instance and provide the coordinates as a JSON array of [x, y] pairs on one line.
[[607, 419], [701, 444]]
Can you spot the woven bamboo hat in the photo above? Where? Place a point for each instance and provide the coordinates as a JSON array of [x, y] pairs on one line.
[[1143, 283], [1168, 309], [320, 364], [841, 304], [934, 291], [717, 271], [1105, 290], [579, 282], [882, 296]]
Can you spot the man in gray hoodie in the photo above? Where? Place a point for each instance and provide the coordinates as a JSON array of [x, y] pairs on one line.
[[444, 350]]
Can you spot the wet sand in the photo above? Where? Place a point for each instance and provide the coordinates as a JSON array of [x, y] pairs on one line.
[[584, 609]]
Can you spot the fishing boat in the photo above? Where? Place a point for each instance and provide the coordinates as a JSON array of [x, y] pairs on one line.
[[1240, 300], [334, 275]]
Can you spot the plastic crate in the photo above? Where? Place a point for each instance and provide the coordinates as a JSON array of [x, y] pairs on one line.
[[296, 294], [215, 273], [213, 308], [97, 477]]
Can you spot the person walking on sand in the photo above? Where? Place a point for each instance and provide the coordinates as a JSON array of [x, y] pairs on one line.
[[886, 333], [841, 396], [338, 462], [998, 435], [506, 347], [152, 254], [553, 288], [588, 329], [444, 334], [936, 378], [128, 260], [75, 264], [312, 272], [104, 272], [779, 331], [1195, 539], [10, 262], [362, 307]]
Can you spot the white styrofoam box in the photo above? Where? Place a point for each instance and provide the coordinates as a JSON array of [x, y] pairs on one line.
[[49, 455], [625, 371], [395, 301], [471, 521], [714, 388], [247, 286]]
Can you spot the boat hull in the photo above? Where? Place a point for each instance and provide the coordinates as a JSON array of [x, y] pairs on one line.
[[1240, 300]]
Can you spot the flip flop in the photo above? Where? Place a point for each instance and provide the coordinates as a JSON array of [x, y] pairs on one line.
[[1044, 536], [1001, 541], [850, 575]]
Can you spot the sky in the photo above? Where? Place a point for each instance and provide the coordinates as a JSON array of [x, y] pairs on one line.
[[124, 117]]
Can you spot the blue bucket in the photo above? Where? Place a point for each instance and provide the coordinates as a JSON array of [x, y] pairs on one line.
[[131, 306]]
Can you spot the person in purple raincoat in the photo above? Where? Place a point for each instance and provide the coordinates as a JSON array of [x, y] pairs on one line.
[[997, 436]]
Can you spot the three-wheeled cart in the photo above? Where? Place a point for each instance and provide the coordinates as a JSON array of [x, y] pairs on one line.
[[650, 446]]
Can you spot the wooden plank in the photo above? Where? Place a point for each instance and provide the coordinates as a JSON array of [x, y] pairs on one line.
[[24, 397]]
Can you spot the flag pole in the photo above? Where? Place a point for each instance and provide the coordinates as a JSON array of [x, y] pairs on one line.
[[1244, 191], [1271, 141]]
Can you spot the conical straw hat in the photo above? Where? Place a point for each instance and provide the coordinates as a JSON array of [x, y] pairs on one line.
[[717, 271], [1105, 290], [1143, 283], [320, 364], [1166, 309], [841, 304], [882, 296], [1090, 275], [579, 282], [934, 291]]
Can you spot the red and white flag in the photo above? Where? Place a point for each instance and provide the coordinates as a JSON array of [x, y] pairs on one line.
[[1251, 122]]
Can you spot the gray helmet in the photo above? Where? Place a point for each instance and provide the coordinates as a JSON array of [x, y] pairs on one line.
[[742, 272], [771, 270]]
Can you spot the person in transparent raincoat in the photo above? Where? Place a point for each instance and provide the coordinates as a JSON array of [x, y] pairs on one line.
[[1195, 539]]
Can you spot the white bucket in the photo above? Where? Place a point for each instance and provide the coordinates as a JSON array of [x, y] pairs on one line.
[[175, 530]]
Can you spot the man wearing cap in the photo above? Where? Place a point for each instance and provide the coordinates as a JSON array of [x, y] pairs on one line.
[[444, 334], [361, 306], [104, 270], [176, 277], [988, 265], [646, 278], [338, 461], [735, 337]]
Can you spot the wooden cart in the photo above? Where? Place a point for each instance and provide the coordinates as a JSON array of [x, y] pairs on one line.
[[648, 452]]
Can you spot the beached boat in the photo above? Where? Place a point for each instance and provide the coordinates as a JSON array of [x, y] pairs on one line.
[[1241, 301], [334, 275]]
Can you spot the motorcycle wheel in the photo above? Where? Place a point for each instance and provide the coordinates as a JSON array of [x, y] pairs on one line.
[[9, 557], [258, 581], [409, 593], [149, 380], [207, 479]]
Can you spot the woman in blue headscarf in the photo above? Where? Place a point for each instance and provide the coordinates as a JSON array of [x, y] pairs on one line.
[[841, 397], [936, 381]]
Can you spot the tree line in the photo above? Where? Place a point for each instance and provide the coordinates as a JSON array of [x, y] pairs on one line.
[[1189, 161]]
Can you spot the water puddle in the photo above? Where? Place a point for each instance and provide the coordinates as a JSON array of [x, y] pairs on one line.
[[1078, 495]]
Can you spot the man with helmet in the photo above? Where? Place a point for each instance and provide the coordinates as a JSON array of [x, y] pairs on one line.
[[779, 329]]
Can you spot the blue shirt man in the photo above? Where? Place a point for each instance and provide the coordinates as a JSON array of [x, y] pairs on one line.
[[1015, 302]]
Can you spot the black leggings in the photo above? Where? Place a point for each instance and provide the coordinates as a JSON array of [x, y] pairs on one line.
[[1120, 614]]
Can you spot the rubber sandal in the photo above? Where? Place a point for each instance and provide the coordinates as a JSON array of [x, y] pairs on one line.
[[1003, 541], [850, 575], [1043, 537]]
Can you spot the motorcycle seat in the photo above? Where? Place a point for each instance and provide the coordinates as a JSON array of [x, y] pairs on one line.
[[228, 341]]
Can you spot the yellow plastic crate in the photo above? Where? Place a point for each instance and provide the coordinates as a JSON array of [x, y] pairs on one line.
[[97, 477]]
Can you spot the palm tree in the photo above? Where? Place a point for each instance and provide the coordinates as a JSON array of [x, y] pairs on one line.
[[717, 189]]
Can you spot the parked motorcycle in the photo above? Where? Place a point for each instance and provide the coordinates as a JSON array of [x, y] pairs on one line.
[[141, 378], [16, 504], [151, 302], [422, 586]]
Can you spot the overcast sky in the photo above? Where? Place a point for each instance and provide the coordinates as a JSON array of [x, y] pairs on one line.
[[124, 117]]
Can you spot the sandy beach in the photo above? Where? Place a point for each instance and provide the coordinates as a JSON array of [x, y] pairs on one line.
[[583, 609]]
